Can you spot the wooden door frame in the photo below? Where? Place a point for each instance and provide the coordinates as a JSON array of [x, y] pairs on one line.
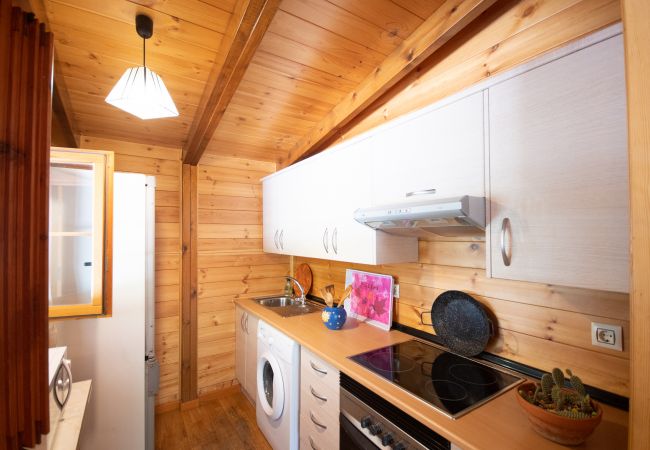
[[636, 16]]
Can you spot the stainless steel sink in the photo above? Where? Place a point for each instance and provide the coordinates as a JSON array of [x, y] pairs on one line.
[[287, 306]]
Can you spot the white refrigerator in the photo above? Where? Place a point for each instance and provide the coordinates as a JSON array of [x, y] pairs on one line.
[[117, 352]]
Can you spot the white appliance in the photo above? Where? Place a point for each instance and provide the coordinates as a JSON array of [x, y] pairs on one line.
[[462, 216], [115, 351], [278, 387]]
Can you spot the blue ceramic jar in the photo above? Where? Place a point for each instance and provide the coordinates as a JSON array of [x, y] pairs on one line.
[[334, 318]]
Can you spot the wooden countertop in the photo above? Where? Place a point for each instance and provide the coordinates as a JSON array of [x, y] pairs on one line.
[[500, 423]]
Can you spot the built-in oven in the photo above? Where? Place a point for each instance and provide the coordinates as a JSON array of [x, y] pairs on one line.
[[369, 422]]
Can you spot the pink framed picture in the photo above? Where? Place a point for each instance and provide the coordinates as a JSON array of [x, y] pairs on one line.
[[371, 298]]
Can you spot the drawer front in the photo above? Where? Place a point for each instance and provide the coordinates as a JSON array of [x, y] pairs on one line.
[[318, 431], [321, 402], [315, 371]]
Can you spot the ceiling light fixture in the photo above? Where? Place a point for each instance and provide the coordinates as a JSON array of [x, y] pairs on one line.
[[140, 91]]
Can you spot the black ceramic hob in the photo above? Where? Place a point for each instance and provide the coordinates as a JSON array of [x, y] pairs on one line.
[[452, 384]]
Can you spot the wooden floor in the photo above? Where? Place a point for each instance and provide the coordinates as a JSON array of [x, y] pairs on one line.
[[227, 422]]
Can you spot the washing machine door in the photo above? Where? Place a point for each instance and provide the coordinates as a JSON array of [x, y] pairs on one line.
[[270, 386]]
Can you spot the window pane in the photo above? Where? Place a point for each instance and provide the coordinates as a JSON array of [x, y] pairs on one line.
[[71, 270], [71, 233]]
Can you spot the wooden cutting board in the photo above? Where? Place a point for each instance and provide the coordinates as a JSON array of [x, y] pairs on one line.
[[304, 277]]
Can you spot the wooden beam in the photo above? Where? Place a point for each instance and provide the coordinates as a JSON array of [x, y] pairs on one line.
[[189, 284], [61, 104], [250, 28], [60, 117], [442, 25], [636, 16]]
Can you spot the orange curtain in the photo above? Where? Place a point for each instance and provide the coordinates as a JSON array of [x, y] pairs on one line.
[[25, 105]]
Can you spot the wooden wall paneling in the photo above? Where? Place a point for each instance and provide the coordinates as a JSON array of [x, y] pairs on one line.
[[189, 284], [250, 29], [231, 262], [636, 14], [441, 26], [164, 163]]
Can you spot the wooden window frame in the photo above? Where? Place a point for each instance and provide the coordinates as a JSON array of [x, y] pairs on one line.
[[101, 303]]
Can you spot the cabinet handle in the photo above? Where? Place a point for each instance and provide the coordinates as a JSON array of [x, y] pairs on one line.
[[311, 443], [505, 229], [422, 192], [319, 397], [316, 422], [317, 369], [281, 240], [335, 238], [325, 234], [246, 323], [241, 321], [275, 239]]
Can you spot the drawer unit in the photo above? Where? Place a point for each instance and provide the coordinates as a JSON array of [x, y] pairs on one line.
[[319, 403], [318, 431]]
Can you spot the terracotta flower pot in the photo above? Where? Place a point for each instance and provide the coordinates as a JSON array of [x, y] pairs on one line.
[[562, 430]]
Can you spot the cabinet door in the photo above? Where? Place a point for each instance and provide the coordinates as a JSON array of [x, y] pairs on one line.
[[240, 347], [348, 190], [271, 203], [250, 324], [558, 172], [442, 150]]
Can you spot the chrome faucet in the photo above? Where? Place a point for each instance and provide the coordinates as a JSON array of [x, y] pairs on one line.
[[302, 291]]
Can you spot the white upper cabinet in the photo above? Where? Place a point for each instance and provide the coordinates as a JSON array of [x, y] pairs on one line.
[[558, 177], [309, 210], [441, 150]]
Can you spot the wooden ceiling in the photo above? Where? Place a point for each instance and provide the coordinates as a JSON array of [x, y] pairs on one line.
[[314, 53]]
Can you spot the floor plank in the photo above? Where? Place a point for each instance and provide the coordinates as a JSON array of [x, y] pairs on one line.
[[226, 422]]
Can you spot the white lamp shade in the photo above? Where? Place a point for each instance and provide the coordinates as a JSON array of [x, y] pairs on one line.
[[142, 93]]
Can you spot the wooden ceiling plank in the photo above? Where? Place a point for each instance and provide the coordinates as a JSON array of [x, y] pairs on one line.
[[421, 8], [250, 30], [390, 16], [342, 22], [121, 14], [163, 42], [214, 17], [297, 70], [443, 24]]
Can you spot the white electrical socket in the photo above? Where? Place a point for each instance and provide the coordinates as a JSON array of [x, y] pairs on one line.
[[396, 291], [607, 336]]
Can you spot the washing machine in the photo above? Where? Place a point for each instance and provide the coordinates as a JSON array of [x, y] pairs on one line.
[[278, 387]]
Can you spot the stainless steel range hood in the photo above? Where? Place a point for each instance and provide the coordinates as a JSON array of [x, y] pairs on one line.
[[461, 216]]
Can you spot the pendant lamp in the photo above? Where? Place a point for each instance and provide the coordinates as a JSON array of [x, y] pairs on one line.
[[140, 91]]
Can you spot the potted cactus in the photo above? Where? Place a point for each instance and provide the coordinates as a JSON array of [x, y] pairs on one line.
[[563, 415]]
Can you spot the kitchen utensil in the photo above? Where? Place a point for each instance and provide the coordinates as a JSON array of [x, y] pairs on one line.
[[345, 295], [304, 276], [326, 292], [460, 322]]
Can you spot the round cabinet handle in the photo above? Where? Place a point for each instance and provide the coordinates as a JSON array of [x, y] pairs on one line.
[[275, 239], [311, 443], [319, 397], [422, 192], [281, 240], [316, 422], [317, 369], [325, 234], [506, 229], [335, 239]]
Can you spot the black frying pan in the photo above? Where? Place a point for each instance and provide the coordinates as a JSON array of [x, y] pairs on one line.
[[460, 322]]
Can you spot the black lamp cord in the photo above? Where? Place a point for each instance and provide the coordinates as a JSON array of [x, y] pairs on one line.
[[144, 58]]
